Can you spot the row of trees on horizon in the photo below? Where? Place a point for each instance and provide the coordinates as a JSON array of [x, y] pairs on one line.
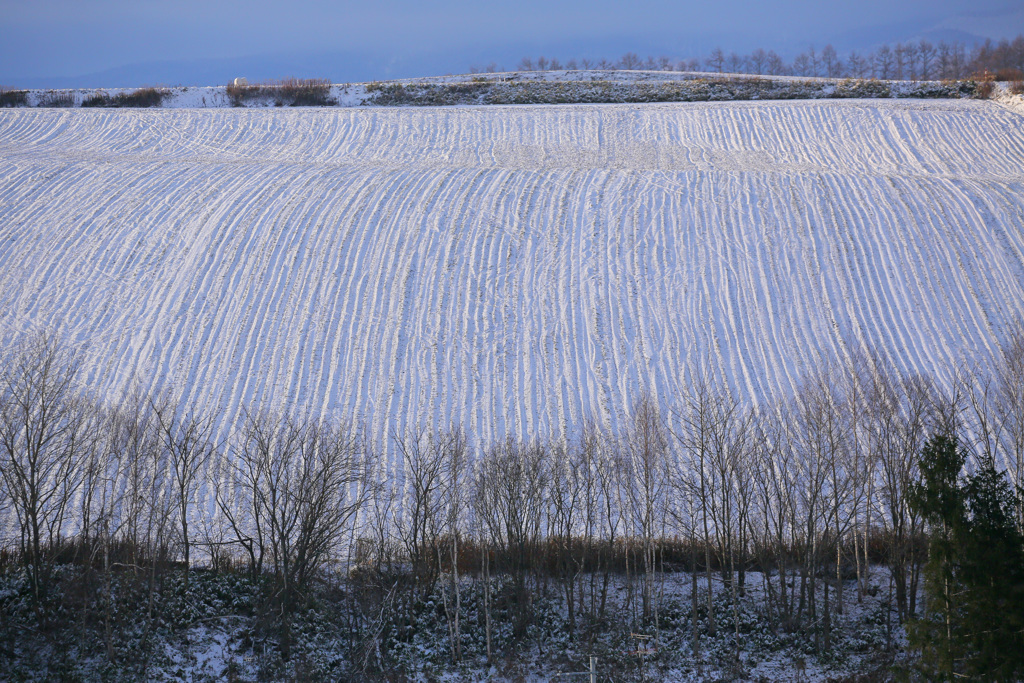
[[916, 61], [811, 493]]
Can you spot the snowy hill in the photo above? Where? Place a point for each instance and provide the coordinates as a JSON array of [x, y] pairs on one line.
[[518, 87], [511, 268]]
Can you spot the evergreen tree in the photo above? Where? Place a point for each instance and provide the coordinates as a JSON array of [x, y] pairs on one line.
[[993, 577], [974, 622], [939, 499]]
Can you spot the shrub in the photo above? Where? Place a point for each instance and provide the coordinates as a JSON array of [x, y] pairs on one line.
[[984, 88], [236, 93], [291, 92], [143, 97], [1009, 74], [57, 98], [13, 98], [307, 92], [97, 99], [694, 90], [1017, 87]]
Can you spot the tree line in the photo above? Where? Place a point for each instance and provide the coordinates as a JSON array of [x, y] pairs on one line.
[[807, 499], [913, 60]]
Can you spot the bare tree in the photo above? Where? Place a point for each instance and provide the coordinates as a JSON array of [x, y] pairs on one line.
[[802, 65], [727, 431], [775, 484], [944, 60], [884, 62], [611, 514], [775, 65], [108, 515], [187, 442], [418, 520], [897, 427], [686, 522], [302, 481], [429, 523], [830, 60], [133, 435], [926, 59], [856, 65], [630, 62], [1017, 55], [42, 430], [737, 63], [699, 419], [758, 61], [511, 496], [456, 456], [716, 60], [984, 429], [900, 61], [731, 496], [589, 457], [1009, 409], [958, 60], [814, 60], [913, 61], [858, 378], [375, 567], [645, 466], [569, 476], [819, 434]]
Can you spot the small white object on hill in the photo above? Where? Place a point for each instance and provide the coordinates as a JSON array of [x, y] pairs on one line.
[[241, 81]]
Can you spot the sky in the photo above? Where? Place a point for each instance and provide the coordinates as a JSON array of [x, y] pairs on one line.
[[68, 43]]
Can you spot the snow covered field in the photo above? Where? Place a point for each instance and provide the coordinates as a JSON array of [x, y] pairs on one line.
[[511, 268]]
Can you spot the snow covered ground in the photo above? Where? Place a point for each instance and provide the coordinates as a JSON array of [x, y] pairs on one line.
[[515, 269], [212, 630]]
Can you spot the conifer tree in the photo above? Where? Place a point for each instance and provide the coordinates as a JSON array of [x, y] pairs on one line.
[[974, 624], [993, 578], [939, 499]]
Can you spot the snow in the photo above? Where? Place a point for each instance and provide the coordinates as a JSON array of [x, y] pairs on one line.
[[859, 639], [514, 269]]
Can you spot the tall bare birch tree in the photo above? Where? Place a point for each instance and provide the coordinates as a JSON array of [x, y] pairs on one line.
[[42, 430]]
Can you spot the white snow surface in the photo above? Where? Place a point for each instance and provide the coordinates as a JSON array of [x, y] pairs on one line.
[[512, 269]]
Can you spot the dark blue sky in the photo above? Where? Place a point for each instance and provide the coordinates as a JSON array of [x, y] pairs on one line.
[[117, 42]]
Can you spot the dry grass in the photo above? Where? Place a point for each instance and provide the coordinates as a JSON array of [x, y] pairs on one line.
[[288, 92], [10, 97], [986, 86], [57, 98], [143, 97]]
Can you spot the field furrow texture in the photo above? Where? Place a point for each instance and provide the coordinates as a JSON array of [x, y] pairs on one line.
[[512, 269]]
